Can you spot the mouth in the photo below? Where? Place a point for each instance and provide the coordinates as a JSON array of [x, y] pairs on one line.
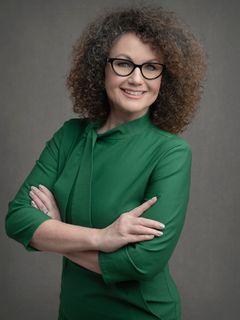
[[133, 93]]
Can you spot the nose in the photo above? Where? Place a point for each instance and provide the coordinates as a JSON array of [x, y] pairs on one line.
[[136, 77]]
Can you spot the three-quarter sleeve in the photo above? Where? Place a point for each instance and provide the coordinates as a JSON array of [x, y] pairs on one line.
[[170, 182], [22, 219]]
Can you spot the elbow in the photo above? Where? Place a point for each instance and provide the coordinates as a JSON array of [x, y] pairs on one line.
[[148, 271], [10, 221], [9, 227], [149, 274], [12, 229], [21, 223], [15, 232], [16, 226]]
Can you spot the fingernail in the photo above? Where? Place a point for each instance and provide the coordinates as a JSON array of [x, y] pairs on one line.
[[150, 236], [159, 233], [41, 186], [162, 225], [154, 198], [33, 188]]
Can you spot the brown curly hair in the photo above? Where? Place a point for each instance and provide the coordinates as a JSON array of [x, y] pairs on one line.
[[184, 58]]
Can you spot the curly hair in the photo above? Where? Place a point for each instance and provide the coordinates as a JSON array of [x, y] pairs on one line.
[[184, 58]]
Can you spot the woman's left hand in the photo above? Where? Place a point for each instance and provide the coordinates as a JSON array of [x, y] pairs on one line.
[[43, 199]]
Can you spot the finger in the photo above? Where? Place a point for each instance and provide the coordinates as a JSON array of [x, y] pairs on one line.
[[42, 196], [136, 212], [141, 230], [138, 238], [38, 202], [34, 204], [46, 191], [150, 223]]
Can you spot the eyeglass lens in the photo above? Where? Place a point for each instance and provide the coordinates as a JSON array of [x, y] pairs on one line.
[[149, 70]]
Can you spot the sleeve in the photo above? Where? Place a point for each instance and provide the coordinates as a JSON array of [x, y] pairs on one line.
[[170, 182], [22, 219]]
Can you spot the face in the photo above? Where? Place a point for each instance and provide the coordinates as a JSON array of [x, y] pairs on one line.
[[131, 96]]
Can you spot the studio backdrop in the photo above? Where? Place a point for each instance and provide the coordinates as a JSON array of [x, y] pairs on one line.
[[36, 44]]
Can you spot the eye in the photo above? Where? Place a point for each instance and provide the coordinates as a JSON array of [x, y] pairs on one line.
[[123, 64], [151, 67]]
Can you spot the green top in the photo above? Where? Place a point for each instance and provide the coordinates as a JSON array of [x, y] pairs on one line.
[[95, 177]]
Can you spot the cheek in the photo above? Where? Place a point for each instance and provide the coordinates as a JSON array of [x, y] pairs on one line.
[[110, 80], [107, 79], [156, 87]]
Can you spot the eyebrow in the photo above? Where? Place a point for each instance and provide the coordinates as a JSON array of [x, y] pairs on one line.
[[129, 58]]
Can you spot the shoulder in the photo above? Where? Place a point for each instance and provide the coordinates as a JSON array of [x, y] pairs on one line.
[[172, 154], [70, 130], [168, 142], [74, 126], [168, 151], [68, 135], [66, 138]]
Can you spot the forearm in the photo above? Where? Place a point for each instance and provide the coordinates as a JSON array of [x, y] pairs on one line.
[[56, 236], [86, 259]]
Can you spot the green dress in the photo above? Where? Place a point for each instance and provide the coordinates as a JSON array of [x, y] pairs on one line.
[[95, 177]]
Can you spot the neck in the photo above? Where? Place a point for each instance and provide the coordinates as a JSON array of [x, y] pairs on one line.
[[116, 118]]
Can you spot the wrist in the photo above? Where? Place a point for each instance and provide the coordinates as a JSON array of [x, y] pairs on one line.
[[96, 236]]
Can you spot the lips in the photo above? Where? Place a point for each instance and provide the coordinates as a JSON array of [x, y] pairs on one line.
[[133, 93]]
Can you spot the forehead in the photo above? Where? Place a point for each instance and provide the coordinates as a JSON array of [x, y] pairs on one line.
[[129, 44]]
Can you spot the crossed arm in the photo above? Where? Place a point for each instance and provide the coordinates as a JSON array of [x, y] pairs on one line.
[[119, 251], [82, 245], [143, 260]]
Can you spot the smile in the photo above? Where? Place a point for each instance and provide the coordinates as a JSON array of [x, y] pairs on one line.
[[133, 93]]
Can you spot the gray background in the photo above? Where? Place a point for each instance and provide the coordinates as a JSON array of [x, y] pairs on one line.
[[36, 41]]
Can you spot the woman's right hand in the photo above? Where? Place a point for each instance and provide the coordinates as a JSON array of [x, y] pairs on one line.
[[129, 228]]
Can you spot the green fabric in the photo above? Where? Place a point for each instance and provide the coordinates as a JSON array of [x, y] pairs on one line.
[[94, 178]]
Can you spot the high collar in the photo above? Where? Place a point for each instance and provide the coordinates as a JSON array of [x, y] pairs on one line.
[[126, 129]]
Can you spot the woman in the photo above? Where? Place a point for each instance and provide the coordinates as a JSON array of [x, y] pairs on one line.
[[110, 190]]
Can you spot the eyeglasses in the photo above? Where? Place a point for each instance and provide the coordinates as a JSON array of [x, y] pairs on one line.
[[149, 70]]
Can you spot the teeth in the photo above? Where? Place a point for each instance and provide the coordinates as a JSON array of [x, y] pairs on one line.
[[134, 93]]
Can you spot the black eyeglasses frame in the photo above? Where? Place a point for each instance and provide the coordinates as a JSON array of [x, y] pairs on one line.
[[111, 61]]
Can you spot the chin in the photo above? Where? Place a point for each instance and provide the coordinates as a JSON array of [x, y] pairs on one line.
[[134, 112]]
